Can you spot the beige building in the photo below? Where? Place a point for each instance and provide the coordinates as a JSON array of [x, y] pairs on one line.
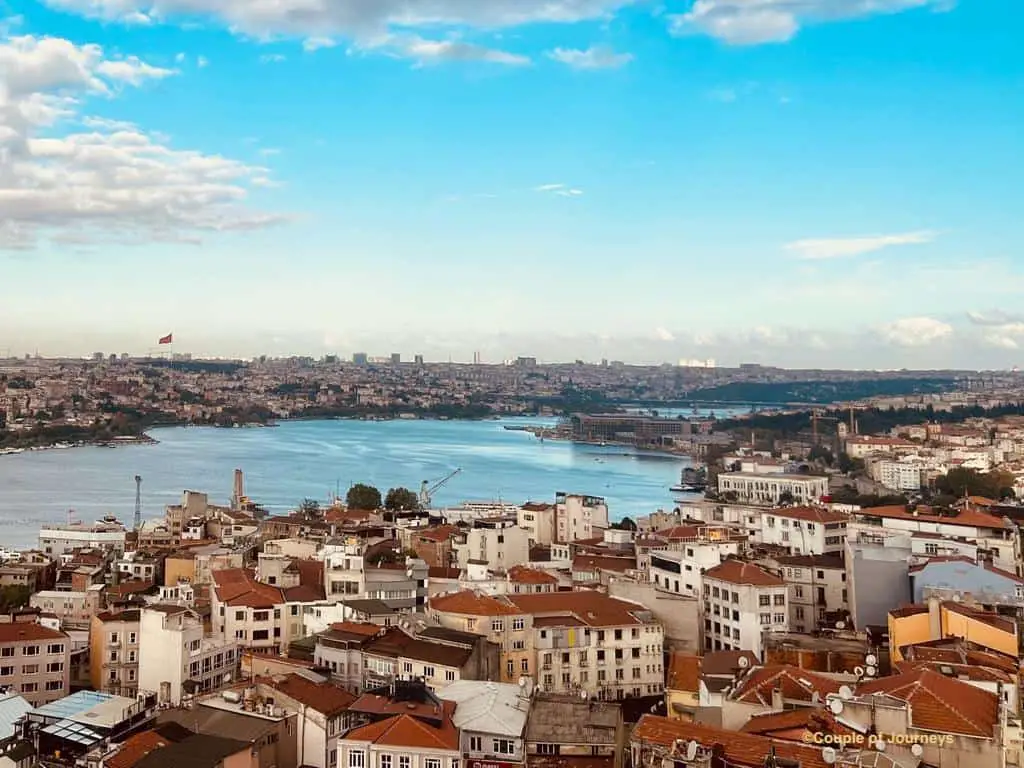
[[750, 488], [569, 642], [537, 519], [35, 661], [74, 609], [579, 517], [114, 652], [499, 548]]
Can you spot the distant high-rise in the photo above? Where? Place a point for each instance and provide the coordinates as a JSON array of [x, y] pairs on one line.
[[418, 359], [476, 358], [396, 358], [359, 358]]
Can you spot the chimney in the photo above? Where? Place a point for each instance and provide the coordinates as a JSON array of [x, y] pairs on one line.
[[934, 618]]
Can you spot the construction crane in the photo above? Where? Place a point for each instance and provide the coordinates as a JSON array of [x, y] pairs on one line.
[[817, 416], [427, 490]]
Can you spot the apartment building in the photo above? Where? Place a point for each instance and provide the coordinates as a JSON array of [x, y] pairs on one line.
[[900, 475], [750, 488], [579, 517], [742, 602], [402, 734], [804, 530], [255, 615], [491, 718], [73, 609], [347, 576], [687, 551], [817, 590], [438, 661], [35, 661], [538, 520], [500, 548], [340, 650], [173, 652], [570, 642], [114, 652]]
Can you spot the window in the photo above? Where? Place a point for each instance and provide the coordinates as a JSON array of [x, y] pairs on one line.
[[432, 762], [428, 671], [51, 649], [260, 615], [385, 760], [6, 671], [511, 667], [239, 615], [407, 666], [404, 761], [766, 618], [56, 666], [547, 749], [780, 599], [525, 665], [334, 757], [780, 618], [764, 600], [518, 624], [449, 675], [131, 638], [29, 687], [798, 591], [31, 650], [54, 685], [799, 612], [497, 625], [476, 744], [30, 669], [503, 747], [113, 637], [357, 759]]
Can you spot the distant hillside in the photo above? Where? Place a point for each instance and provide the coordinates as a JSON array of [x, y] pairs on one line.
[[819, 391]]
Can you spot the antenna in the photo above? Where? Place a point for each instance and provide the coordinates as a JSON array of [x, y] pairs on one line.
[[138, 502]]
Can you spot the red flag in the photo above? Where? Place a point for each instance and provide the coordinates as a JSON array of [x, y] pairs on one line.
[[166, 339]]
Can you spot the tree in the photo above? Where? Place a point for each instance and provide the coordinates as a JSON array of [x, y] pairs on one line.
[[401, 499], [14, 597], [363, 497], [625, 524], [310, 509]]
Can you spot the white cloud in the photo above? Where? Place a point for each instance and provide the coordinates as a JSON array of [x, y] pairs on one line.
[[311, 44], [112, 181], [180, 58], [663, 334], [751, 22], [596, 57], [561, 190], [834, 248], [272, 58], [915, 331], [426, 52], [724, 95], [549, 187], [270, 151], [202, 62], [356, 19]]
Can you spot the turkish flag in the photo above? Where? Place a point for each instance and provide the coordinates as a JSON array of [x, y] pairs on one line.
[[166, 339]]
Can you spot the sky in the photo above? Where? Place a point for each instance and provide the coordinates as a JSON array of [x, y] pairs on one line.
[[805, 183]]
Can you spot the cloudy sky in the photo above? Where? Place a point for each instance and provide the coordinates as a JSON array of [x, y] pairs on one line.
[[797, 182]]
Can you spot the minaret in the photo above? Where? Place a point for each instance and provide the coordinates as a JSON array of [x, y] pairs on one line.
[[238, 491]]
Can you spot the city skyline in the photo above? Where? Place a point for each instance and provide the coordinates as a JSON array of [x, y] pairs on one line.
[[827, 183]]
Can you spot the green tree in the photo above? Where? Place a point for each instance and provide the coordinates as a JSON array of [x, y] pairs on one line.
[[625, 524], [363, 497], [310, 509], [401, 499], [14, 597]]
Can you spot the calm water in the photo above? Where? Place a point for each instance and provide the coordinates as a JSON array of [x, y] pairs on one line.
[[297, 459]]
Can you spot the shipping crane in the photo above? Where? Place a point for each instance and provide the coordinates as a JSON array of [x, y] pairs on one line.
[[427, 490]]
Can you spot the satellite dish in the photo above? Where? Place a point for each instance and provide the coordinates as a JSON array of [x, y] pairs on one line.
[[583, 695], [840, 625], [880, 745], [828, 754], [871, 660], [871, 671], [227, 678], [835, 706], [691, 750], [845, 692], [858, 671], [916, 750], [744, 662], [522, 682]]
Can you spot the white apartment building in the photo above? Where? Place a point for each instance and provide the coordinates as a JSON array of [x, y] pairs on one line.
[[579, 517], [750, 488], [408, 740], [499, 548], [491, 718], [742, 602], [173, 650], [804, 530], [74, 609], [900, 475], [862, 446], [57, 540], [538, 519]]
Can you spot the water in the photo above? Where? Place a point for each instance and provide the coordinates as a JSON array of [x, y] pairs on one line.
[[300, 459]]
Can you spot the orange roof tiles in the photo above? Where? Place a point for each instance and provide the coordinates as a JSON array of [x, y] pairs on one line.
[[738, 749], [439, 534], [801, 720], [743, 573], [357, 627], [969, 517], [471, 603], [588, 608], [795, 684], [408, 732], [811, 514], [326, 698], [238, 587], [941, 704], [521, 574], [603, 563], [136, 747], [683, 672], [18, 632]]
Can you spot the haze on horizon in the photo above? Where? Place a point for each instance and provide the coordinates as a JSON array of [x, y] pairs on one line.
[[826, 184]]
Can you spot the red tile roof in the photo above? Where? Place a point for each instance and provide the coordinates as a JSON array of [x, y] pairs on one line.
[[136, 747], [326, 698], [603, 563], [587, 608], [19, 632], [969, 517], [796, 684], [683, 672], [940, 704], [471, 603], [735, 571], [357, 627], [805, 719], [811, 514], [238, 587], [408, 732], [738, 749], [522, 574]]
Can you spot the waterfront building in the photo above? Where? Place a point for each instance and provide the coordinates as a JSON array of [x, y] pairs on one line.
[[579, 517], [742, 602], [57, 540], [35, 661], [750, 488]]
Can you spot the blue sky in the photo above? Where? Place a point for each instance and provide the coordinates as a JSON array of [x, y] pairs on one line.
[[798, 182]]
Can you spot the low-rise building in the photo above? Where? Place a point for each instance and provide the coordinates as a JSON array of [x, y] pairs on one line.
[[751, 488], [817, 590], [491, 718], [809, 530], [565, 727], [114, 652], [339, 649], [438, 660], [35, 661], [938, 620]]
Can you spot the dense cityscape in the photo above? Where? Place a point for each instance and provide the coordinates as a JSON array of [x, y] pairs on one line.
[[819, 593]]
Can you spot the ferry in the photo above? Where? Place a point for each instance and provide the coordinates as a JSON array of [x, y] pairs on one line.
[[11, 451]]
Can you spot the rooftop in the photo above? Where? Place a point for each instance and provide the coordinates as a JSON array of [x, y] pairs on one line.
[[570, 720], [740, 572], [492, 708]]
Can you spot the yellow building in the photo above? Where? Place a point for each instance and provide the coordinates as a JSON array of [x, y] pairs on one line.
[[682, 686], [178, 568], [937, 620]]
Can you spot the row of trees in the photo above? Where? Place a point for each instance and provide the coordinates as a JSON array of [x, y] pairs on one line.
[[368, 498]]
